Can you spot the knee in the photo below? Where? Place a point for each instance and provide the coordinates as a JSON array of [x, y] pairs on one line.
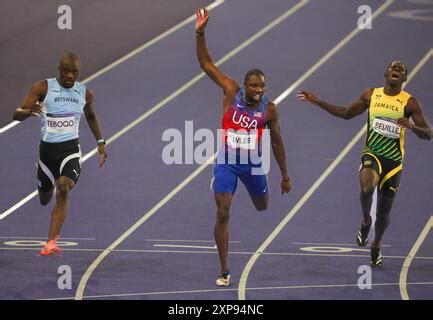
[[382, 218], [223, 215], [62, 190], [367, 190]]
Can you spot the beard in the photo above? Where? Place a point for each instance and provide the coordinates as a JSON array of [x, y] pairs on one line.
[[252, 99]]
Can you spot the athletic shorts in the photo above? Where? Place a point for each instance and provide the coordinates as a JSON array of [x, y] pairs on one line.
[[389, 171], [58, 159], [226, 179]]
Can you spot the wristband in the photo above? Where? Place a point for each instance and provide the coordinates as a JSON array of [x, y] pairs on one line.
[[199, 34], [101, 141]]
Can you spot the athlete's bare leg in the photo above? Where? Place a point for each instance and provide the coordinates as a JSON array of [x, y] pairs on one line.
[[221, 230], [63, 187], [368, 179]]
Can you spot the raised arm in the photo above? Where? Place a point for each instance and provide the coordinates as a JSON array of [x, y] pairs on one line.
[[354, 109], [93, 122], [30, 105], [421, 127], [204, 58]]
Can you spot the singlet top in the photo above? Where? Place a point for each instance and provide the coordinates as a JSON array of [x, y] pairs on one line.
[[384, 137], [243, 126], [62, 109]]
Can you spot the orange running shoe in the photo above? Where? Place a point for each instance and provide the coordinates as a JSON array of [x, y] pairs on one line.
[[50, 249]]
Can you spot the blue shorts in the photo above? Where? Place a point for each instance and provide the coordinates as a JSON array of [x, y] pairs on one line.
[[226, 179]]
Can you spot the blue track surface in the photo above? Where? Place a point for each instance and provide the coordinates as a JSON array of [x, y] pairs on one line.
[[172, 255]]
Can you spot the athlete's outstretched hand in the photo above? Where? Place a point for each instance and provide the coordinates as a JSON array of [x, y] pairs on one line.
[[305, 95], [286, 185], [202, 19], [102, 155]]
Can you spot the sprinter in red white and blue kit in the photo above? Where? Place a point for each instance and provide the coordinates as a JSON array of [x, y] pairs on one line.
[[247, 113]]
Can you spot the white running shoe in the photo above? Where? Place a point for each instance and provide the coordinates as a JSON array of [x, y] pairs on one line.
[[223, 280]]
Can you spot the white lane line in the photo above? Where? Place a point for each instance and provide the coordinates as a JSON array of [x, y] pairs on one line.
[[9, 126], [334, 244], [405, 268], [289, 216], [332, 52], [178, 240], [332, 249], [274, 254], [18, 204], [403, 274], [36, 238], [412, 254], [419, 65], [134, 52], [171, 96], [313, 188], [152, 42], [184, 246], [222, 290], [97, 261]]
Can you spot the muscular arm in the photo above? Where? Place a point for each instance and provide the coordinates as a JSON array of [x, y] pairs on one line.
[[354, 109], [93, 122], [29, 106], [421, 128], [91, 117], [278, 146], [229, 86]]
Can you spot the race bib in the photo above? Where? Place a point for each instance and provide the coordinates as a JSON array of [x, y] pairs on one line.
[[60, 123], [387, 127], [242, 140]]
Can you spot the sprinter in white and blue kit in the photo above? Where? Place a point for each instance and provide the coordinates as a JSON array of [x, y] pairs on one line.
[[59, 103]]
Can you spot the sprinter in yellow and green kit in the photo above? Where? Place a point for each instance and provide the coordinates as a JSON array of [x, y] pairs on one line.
[[389, 109]]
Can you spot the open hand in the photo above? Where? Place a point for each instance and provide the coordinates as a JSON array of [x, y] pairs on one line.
[[202, 19], [305, 95]]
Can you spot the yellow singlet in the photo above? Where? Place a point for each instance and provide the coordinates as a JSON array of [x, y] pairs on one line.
[[384, 137]]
